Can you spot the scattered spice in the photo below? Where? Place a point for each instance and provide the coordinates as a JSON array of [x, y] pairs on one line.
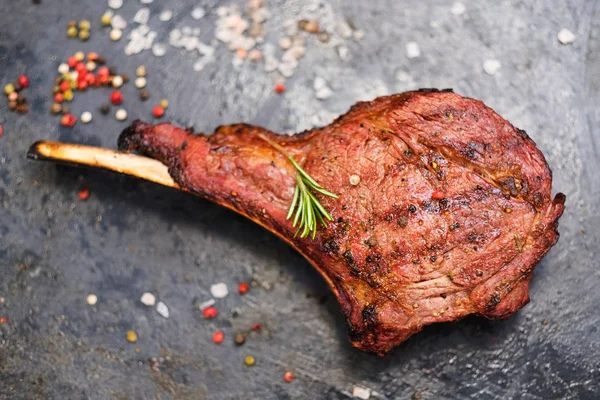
[[148, 299], [209, 312], [243, 288], [141, 71], [131, 336], [68, 120], [23, 81], [91, 299], [158, 111], [240, 339], [257, 327], [1, 130], [219, 290], [83, 194], [3, 320], [105, 109], [289, 376], [354, 180], [218, 337], [164, 103], [162, 309], [279, 88], [116, 97], [249, 361], [144, 95], [140, 82], [86, 117]]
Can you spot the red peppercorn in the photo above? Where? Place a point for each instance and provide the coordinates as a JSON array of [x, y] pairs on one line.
[[89, 78], [289, 376], [209, 312], [243, 288], [71, 62], [218, 337], [158, 111], [80, 67], [68, 120], [116, 97], [257, 327], [23, 81], [58, 98], [1, 130], [84, 194], [437, 194], [103, 71], [279, 88], [64, 86], [3, 320], [82, 85]]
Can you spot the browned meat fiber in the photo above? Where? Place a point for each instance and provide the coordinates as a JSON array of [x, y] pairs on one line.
[[452, 211]]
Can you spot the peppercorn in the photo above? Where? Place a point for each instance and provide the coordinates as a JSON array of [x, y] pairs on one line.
[[158, 111], [164, 103], [218, 337], [23, 81], [289, 376], [117, 81], [71, 23], [13, 96], [58, 97], [141, 71], [8, 89], [249, 361], [86, 117], [73, 85], [239, 339], [64, 86], [85, 24], [279, 88], [106, 19], [83, 194], [82, 85], [121, 114], [125, 78], [68, 120], [131, 336], [101, 60], [21, 108], [79, 56], [71, 32], [257, 327], [65, 109], [116, 97], [68, 95], [209, 312], [92, 56], [105, 109], [3, 320], [144, 95], [243, 288], [55, 108], [12, 105], [55, 89], [90, 66]]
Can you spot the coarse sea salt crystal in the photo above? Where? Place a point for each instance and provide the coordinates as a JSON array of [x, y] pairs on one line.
[[146, 1], [343, 29], [148, 299], [142, 16], [491, 66], [324, 94], [165, 15], [118, 22], [361, 393], [458, 8], [412, 50], [162, 309], [219, 290], [565, 36], [159, 49], [198, 13], [115, 4]]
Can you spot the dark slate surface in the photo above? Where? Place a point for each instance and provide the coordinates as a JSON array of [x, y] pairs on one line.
[[131, 236]]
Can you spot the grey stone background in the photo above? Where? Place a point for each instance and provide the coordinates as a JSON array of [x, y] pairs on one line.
[[131, 236]]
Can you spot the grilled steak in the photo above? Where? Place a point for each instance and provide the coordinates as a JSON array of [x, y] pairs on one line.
[[451, 212]]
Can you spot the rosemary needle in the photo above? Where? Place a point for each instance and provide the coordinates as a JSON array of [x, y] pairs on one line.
[[305, 209]]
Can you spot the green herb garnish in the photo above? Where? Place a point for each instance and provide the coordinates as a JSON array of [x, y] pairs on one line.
[[308, 209]]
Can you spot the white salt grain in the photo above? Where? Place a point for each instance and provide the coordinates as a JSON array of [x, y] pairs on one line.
[[285, 43], [115, 4], [198, 13], [491, 66], [159, 49], [343, 29], [165, 15], [458, 8], [224, 35], [142, 16], [319, 83], [146, 1], [206, 303], [162, 309], [324, 94], [565, 36], [343, 52], [118, 22], [219, 290], [361, 393], [412, 50], [358, 35], [148, 299], [196, 32]]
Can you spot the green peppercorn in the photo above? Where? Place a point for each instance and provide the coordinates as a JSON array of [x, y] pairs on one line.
[[72, 32], [85, 24], [84, 34]]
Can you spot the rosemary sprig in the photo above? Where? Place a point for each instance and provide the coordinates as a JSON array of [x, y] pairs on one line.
[[305, 208]]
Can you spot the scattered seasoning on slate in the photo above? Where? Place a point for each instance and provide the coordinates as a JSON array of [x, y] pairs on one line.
[[164, 103], [116, 97], [144, 95], [3, 320], [148, 299], [121, 114], [131, 336], [209, 312], [158, 111], [249, 361], [84, 194], [257, 327], [1, 130], [289, 376], [91, 299], [218, 337], [279, 88], [68, 120], [243, 288], [240, 339], [105, 109]]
